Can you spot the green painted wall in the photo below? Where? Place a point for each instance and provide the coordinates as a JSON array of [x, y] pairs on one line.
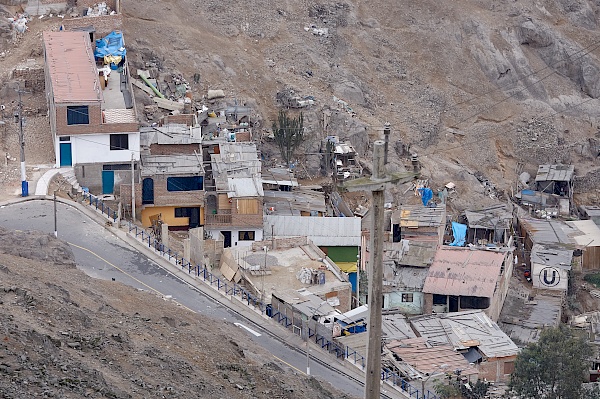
[[341, 254]]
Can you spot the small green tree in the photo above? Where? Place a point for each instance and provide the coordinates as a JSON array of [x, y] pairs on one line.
[[553, 367], [289, 133]]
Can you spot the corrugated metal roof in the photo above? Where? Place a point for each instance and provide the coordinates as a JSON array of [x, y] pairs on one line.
[[410, 252], [523, 320], [323, 231], [589, 233], [299, 199], [555, 173], [427, 359], [550, 232], [405, 278], [71, 67], [179, 165], [550, 256], [419, 216], [463, 330], [490, 219], [464, 271], [279, 176], [395, 326]]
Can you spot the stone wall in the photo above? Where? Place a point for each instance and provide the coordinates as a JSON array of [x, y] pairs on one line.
[[32, 75]]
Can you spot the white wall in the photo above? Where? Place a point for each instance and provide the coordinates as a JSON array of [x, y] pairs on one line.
[[549, 277], [95, 148], [258, 236]]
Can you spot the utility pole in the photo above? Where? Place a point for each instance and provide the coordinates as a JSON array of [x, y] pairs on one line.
[[373, 383], [386, 136], [376, 184], [55, 223], [24, 186], [132, 187]]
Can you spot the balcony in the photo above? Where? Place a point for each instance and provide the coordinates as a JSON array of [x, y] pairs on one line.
[[233, 220]]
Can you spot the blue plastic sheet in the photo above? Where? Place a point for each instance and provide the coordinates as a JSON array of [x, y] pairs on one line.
[[110, 45], [426, 195], [459, 231]]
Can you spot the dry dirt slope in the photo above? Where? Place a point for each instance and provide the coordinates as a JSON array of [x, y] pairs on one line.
[[65, 335], [487, 69]]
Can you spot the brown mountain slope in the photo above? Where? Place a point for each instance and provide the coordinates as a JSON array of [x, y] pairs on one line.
[[514, 81], [64, 334]]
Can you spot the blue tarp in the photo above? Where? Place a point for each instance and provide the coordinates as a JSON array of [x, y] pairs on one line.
[[426, 195], [459, 231], [111, 45]]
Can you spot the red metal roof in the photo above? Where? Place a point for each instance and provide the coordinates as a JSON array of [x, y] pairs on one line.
[[463, 271], [72, 68]]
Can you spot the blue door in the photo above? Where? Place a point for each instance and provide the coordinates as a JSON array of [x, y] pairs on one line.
[[65, 154], [108, 181]]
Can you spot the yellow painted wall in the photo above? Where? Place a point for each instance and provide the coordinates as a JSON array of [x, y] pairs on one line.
[[167, 215]]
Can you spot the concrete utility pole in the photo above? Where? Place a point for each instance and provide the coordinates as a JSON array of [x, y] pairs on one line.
[[24, 185], [376, 184], [132, 187], [373, 383], [55, 221], [386, 136]]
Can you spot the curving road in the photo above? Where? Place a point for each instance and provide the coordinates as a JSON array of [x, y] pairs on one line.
[[103, 255]]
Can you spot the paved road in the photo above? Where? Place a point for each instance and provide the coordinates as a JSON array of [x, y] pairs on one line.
[[102, 255]]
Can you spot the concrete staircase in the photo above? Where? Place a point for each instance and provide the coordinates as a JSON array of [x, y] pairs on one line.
[[69, 175]]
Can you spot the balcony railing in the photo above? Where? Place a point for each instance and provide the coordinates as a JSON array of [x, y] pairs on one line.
[[237, 220]]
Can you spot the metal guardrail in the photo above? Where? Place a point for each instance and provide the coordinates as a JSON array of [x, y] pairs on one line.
[[236, 290], [97, 202]]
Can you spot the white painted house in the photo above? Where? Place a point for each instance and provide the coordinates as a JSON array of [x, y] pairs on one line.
[[93, 121]]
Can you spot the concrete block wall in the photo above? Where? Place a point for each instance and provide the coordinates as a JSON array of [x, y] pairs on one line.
[[280, 243], [90, 176], [103, 24]]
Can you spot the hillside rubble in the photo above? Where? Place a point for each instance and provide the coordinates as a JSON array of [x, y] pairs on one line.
[[66, 335], [500, 86]]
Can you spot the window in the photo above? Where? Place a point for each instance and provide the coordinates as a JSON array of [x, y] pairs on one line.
[[509, 367], [64, 138], [119, 142], [407, 297], [474, 302], [440, 299], [78, 115], [190, 183], [182, 212], [118, 166], [246, 236]]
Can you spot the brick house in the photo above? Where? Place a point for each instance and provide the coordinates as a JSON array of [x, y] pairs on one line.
[[94, 127], [234, 196], [173, 185]]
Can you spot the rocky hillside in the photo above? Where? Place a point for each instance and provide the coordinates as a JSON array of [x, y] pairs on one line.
[[66, 335], [471, 85]]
